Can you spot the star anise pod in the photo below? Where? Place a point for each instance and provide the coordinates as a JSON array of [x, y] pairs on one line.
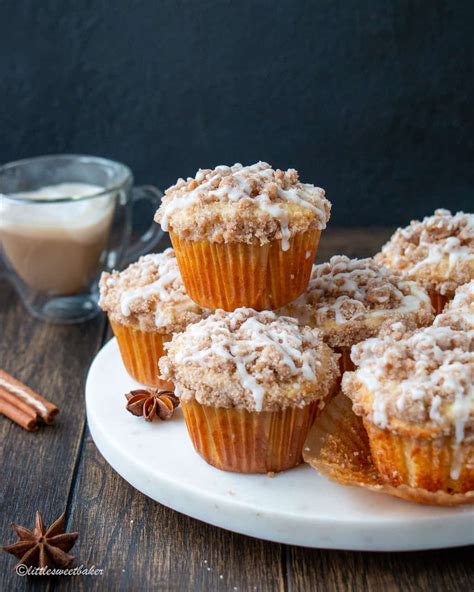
[[152, 403], [41, 547]]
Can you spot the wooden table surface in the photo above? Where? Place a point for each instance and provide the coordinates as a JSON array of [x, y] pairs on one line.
[[140, 544]]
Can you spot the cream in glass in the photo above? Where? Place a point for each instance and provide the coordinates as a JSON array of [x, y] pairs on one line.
[[56, 248]]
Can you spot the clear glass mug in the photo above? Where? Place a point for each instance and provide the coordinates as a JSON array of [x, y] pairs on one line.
[[53, 249]]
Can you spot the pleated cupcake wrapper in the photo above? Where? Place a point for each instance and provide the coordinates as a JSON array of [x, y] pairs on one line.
[[338, 447], [140, 351], [421, 463], [345, 365], [230, 275], [438, 301], [244, 442], [345, 362]]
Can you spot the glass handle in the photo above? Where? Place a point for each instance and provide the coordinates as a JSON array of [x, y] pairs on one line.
[[152, 236]]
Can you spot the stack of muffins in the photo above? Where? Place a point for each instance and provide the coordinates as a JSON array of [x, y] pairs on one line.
[[255, 339]]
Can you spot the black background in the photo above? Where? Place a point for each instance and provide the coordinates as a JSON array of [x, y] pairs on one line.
[[371, 100]]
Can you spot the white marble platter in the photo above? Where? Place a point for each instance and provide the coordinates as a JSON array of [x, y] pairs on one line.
[[297, 507]]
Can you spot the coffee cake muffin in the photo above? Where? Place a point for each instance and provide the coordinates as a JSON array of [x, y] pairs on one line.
[[244, 236], [438, 253], [414, 392], [146, 303], [459, 312], [349, 300], [250, 385]]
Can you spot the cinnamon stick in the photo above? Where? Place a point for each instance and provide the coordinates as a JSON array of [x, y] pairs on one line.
[[11, 399], [25, 420], [44, 408]]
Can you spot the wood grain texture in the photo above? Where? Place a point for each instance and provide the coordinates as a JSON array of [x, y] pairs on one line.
[[37, 469], [339, 571], [135, 540], [353, 242], [140, 544]]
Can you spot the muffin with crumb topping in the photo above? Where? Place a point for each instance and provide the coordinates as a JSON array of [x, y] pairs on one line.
[[250, 385], [244, 235], [146, 303], [414, 392], [437, 252], [350, 300]]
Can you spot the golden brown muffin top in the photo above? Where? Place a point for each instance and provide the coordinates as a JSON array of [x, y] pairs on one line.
[[459, 312], [438, 252], [421, 380], [245, 204], [149, 295], [251, 360], [350, 299]]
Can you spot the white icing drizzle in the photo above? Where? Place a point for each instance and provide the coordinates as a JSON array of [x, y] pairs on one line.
[[248, 381], [24, 395], [463, 297], [451, 248], [352, 289], [242, 343], [459, 313], [158, 283], [235, 183], [163, 288], [276, 211], [380, 412], [434, 409], [426, 244]]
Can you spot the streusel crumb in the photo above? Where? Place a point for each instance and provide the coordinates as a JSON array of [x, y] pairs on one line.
[[251, 360], [438, 252], [459, 312], [149, 295], [251, 204], [423, 378], [350, 299]]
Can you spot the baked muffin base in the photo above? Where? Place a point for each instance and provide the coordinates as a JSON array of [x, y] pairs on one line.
[[338, 448], [140, 351], [231, 275], [419, 462], [241, 441]]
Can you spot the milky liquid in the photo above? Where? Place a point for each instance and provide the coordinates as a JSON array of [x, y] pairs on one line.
[[56, 248]]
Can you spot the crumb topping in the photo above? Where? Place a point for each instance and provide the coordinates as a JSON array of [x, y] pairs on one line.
[[438, 251], [424, 377], [463, 298], [243, 204], [150, 295], [252, 360], [350, 299], [459, 312]]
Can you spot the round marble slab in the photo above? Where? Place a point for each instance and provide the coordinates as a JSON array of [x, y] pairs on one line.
[[297, 507]]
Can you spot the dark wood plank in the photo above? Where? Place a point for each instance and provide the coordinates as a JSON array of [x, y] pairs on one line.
[[37, 469], [339, 571], [141, 544], [353, 242]]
